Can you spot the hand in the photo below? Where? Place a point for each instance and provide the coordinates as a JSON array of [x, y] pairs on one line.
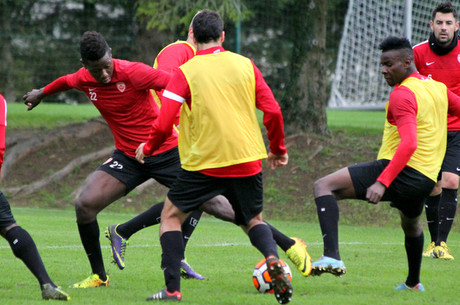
[[274, 161], [140, 153], [375, 192], [33, 98]]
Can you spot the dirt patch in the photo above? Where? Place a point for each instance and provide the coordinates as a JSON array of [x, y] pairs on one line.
[[288, 191]]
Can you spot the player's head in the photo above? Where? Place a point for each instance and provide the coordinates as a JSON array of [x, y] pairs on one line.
[[444, 23], [207, 27], [397, 59], [96, 56]]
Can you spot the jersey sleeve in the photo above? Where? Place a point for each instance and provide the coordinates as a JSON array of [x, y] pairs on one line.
[[402, 112], [63, 83], [272, 118], [454, 103], [144, 77], [173, 97]]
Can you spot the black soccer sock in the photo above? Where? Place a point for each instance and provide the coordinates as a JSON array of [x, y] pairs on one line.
[[447, 210], [190, 224], [148, 218], [414, 249], [89, 235], [432, 215], [261, 237], [328, 216], [173, 251], [24, 248], [283, 241]]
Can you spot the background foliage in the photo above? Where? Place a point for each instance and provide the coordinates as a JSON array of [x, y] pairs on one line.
[[39, 41]]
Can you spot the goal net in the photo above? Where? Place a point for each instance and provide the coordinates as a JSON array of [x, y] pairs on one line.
[[357, 81]]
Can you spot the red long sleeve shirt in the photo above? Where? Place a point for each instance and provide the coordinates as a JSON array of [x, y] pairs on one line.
[[126, 103]]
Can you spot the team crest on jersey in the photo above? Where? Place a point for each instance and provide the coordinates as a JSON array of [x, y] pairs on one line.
[[121, 86], [458, 57]]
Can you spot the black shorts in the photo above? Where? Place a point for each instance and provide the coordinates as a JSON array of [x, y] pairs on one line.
[[407, 192], [245, 194], [451, 161], [6, 216], [163, 168]]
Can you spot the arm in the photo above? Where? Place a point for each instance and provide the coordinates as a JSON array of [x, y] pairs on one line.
[[34, 97], [402, 111], [163, 125], [454, 103], [272, 120]]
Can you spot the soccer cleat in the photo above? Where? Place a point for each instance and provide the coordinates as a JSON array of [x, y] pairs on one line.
[[281, 284], [442, 252], [91, 281], [49, 292], [429, 250], [118, 245], [418, 287], [187, 272], [298, 254], [328, 265], [164, 295]]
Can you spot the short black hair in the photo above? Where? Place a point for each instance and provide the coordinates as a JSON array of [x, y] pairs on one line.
[[207, 26], [93, 46], [397, 43], [445, 8]]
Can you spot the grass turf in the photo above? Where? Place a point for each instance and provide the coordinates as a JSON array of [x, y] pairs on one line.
[[375, 259]]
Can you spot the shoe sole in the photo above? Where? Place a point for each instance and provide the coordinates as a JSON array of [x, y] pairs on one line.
[[281, 285], [338, 271]]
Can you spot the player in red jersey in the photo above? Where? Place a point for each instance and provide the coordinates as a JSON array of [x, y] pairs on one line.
[[407, 166], [439, 58], [120, 90], [220, 146], [169, 59], [20, 241]]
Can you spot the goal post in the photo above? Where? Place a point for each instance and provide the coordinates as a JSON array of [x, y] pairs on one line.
[[357, 82]]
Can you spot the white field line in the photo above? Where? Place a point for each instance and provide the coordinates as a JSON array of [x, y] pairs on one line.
[[203, 245]]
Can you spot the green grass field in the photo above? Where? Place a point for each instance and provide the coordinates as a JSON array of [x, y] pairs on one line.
[[48, 116], [375, 259]]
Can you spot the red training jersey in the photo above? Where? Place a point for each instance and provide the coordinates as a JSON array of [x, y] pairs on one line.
[[443, 68], [126, 103]]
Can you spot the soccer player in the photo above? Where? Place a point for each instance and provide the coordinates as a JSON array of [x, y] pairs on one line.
[[169, 59], [220, 146], [438, 58], [120, 90], [407, 166], [20, 241]]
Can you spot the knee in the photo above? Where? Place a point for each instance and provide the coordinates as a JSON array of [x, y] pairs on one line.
[[319, 187], [84, 209], [411, 228]]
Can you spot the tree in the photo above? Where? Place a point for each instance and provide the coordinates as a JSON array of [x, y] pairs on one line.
[[286, 39]]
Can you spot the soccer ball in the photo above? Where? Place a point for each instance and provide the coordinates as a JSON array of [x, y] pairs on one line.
[[261, 278]]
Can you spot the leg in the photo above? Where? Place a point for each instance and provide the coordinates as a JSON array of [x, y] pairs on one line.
[[173, 250], [327, 191], [100, 190], [414, 247], [262, 239], [432, 217], [24, 248]]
